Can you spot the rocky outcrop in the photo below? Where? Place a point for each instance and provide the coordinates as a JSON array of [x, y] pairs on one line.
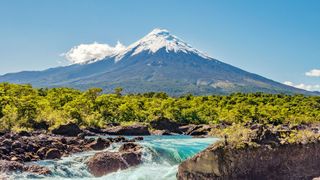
[[53, 153], [70, 129], [165, 124], [161, 133], [18, 148], [268, 160], [107, 162], [130, 147], [35, 169], [134, 130], [37, 146], [13, 166], [195, 130], [99, 144]]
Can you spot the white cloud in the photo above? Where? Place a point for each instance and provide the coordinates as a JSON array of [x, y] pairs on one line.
[[313, 73], [303, 86], [92, 52]]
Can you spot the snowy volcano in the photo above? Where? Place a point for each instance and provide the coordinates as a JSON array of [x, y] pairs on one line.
[[159, 61], [159, 39]]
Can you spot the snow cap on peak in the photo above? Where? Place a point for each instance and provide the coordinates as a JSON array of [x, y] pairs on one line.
[[159, 31], [159, 39], [155, 40]]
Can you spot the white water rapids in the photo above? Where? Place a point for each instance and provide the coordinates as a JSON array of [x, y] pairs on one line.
[[161, 157]]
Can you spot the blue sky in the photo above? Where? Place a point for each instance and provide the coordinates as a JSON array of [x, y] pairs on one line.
[[276, 39]]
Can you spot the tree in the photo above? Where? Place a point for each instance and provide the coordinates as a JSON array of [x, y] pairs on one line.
[[118, 91]]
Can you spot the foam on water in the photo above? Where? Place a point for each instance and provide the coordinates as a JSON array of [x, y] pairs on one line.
[[161, 157]]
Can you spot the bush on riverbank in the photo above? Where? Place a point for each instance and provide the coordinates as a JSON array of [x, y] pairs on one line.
[[241, 136], [25, 107]]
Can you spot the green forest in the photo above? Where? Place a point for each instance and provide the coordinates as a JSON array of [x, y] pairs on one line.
[[23, 107]]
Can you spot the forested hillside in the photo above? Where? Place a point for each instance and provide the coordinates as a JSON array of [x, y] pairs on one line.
[[23, 107]]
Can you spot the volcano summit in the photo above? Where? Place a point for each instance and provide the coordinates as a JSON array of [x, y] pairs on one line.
[[159, 61]]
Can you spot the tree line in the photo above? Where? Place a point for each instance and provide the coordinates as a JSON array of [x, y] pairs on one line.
[[22, 107]]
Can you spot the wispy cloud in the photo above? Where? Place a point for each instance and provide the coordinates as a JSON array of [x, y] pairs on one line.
[[313, 73], [308, 87], [91, 52]]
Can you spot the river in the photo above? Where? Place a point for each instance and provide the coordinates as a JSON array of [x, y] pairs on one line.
[[161, 157]]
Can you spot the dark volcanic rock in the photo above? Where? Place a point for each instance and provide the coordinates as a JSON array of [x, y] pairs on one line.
[[202, 130], [162, 123], [24, 133], [118, 139], [42, 125], [196, 130], [161, 132], [139, 138], [32, 147], [130, 147], [95, 130], [13, 166], [265, 135], [53, 154], [8, 166], [294, 161], [37, 170], [39, 146], [81, 135], [3, 133], [88, 133], [42, 152], [134, 130], [16, 144], [107, 162], [99, 144], [70, 129]]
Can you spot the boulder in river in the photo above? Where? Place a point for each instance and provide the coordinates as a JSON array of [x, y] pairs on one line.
[[53, 153], [130, 147], [138, 138], [103, 163], [70, 129], [99, 144]]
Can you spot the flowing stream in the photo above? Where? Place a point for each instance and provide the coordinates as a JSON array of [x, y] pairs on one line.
[[161, 157]]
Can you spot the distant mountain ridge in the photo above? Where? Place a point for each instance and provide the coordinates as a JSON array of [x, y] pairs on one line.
[[159, 61]]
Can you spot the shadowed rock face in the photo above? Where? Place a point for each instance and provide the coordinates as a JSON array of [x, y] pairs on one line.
[[283, 162], [134, 130], [166, 124], [67, 130]]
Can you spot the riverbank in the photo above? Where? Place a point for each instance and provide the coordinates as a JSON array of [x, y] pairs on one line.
[[244, 151], [20, 148], [160, 157], [258, 152]]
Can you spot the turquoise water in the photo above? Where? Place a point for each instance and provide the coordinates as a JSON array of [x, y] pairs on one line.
[[161, 157]]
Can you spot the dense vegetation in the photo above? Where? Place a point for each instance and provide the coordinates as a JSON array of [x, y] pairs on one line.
[[22, 106]]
